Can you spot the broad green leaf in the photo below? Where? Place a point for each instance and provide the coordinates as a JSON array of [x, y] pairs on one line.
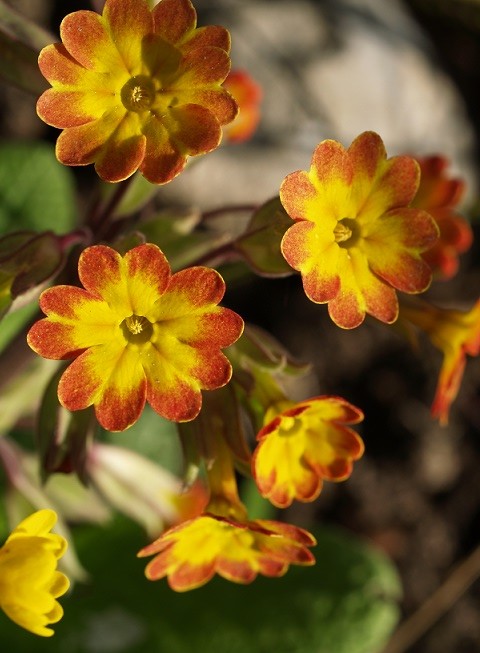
[[36, 191], [347, 603]]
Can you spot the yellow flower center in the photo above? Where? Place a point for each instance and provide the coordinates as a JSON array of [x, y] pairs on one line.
[[138, 93], [137, 329], [346, 232]]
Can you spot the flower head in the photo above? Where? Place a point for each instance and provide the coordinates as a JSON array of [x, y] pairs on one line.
[[303, 444], [136, 89], [355, 238], [456, 334], [440, 194], [138, 333], [29, 580], [248, 94], [193, 552]]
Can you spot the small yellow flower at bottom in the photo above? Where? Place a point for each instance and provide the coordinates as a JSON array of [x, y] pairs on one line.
[[29, 580]]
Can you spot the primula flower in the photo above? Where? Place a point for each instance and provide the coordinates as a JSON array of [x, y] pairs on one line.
[[355, 239], [248, 94], [302, 444], [193, 552], [440, 194], [137, 333], [29, 580], [456, 334], [136, 89]]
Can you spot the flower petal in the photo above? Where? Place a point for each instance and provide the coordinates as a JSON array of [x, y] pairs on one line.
[[174, 19], [129, 21], [393, 244], [86, 37], [81, 145]]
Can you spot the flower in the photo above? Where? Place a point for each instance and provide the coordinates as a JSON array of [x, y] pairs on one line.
[[248, 94], [439, 195], [355, 239], [302, 444], [190, 554], [456, 334], [137, 333], [136, 89], [29, 581]]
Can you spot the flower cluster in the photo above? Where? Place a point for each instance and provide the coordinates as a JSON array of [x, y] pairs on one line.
[[135, 310]]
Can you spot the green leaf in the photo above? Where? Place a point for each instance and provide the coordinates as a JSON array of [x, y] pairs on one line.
[[260, 245], [36, 191], [346, 604]]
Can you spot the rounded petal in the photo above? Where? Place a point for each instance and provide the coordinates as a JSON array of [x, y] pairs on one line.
[[86, 37], [307, 249], [82, 144], [163, 159], [212, 35], [393, 245], [65, 108], [395, 186], [202, 66], [129, 285], [109, 377], [76, 320], [129, 21], [174, 19], [193, 129], [123, 152]]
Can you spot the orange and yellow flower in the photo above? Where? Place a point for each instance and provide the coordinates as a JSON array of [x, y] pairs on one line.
[[136, 89], [137, 333], [193, 552], [440, 194], [29, 580], [456, 334], [356, 239], [302, 444], [248, 95]]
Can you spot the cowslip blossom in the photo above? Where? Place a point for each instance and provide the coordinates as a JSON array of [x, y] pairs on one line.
[[137, 333], [136, 89], [301, 444], [29, 580], [456, 334], [248, 95], [355, 239], [190, 554], [223, 540], [440, 194]]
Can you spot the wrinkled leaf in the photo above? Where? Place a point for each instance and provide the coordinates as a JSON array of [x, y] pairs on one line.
[[260, 245]]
